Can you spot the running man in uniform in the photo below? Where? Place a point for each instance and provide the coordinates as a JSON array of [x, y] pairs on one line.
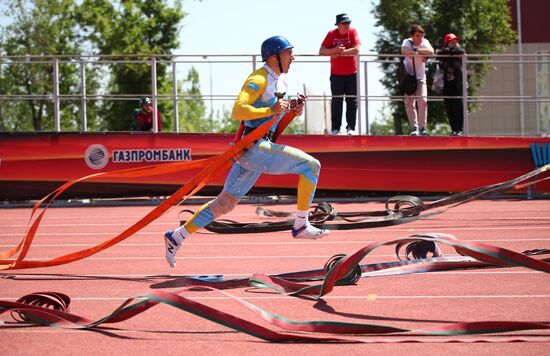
[[259, 101]]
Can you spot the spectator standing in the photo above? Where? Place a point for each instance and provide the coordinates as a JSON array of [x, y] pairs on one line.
[[416, 48], [143, 116], [452, 81], [342, 44]]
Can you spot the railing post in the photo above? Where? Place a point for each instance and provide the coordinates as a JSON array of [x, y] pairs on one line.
[[175, 94], [211, 96], [154, 92], [358, 95], [367, 124], [327, 131], [305, 113], [466, 127], [520, 70], [253, 62], [56, 114], [83, 96]]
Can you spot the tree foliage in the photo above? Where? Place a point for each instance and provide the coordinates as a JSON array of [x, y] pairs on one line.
[[192, 106], [105, 31], [38, 29], [133, 27], [131, 30], [483, 25]]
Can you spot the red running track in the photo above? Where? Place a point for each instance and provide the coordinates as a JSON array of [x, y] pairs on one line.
[[97, 285]]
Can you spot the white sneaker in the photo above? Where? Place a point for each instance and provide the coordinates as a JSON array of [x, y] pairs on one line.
[[415, 132], [309, 231], [350, 132], [424, 132], [172, 247], [335, 132]]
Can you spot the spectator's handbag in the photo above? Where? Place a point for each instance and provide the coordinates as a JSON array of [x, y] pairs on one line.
[[407, 82], [438, 83]]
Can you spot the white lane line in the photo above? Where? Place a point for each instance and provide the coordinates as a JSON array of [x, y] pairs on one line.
[[343, 297], [290, 242], [206, 257], [380, 340], [543, 296], [199, 257], [513, 219], [61, 277], [288, 208], [412, 229], [89, 225], [51, 330], [109, 215], [25, 330], [227, 276]]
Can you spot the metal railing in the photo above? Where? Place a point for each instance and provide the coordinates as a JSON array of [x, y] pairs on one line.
[[176, 61]]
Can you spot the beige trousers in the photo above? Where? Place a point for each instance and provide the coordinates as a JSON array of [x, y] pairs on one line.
[[417, 118]]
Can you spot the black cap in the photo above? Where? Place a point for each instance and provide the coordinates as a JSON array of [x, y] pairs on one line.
[[342, 18]]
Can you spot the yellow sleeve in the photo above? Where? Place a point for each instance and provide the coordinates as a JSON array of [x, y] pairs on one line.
[[253, 87]]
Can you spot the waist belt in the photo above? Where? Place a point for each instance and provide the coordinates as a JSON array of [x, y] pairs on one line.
[[269, 135]]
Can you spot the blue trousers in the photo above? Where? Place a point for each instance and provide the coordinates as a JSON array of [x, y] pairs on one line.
[[271, 158]]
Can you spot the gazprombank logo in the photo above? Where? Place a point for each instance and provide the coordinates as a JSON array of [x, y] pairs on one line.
[[152, 155], [96, 156]]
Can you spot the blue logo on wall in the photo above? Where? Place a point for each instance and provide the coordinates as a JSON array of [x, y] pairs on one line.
[[96, 156]]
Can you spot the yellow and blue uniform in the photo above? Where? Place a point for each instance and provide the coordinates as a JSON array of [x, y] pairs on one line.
[[253, 106]]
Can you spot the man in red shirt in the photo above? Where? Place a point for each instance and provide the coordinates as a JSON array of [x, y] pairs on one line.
[[143, 116], [342, 45]]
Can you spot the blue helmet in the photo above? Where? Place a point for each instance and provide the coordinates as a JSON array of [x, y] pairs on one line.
[[274, 45]]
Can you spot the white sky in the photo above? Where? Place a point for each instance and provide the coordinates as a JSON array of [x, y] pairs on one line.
[[240, 26]]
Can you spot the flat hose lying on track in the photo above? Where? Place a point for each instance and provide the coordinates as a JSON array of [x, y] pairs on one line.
[[50, 309], [399, 209]]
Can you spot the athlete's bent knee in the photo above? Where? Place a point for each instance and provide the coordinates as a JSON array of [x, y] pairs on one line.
[[315, 166], [223, 204]]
